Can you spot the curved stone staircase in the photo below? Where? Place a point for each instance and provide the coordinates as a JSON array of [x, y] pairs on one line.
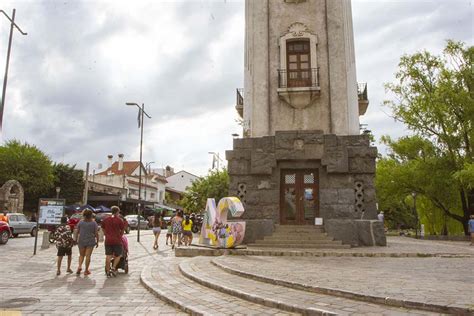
[[204, 286], [299, 237]]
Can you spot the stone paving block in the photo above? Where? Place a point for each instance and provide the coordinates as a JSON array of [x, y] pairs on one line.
[[428, 280], [200, 270]]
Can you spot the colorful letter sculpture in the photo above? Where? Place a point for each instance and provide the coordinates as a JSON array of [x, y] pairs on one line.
[[215, 228]]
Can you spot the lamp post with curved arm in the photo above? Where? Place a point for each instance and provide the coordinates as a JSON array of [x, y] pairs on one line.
[[4, 90]]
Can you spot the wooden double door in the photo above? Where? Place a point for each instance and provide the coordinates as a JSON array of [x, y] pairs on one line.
[[299, 196]]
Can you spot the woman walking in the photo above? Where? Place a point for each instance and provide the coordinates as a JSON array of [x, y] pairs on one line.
[[177, 228], [88, 237], [187, 231], [156, 228]]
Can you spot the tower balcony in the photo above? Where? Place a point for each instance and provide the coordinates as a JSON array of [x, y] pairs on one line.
[[299, 88], [240, 102], [363, 98]]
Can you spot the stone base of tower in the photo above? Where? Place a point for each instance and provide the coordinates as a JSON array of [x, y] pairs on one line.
[[296, 177]]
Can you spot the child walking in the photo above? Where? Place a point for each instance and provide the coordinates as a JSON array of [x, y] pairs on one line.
[[169, 234], [64, 243], [187, 231]]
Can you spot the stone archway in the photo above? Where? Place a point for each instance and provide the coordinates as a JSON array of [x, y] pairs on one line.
[[12, 197]]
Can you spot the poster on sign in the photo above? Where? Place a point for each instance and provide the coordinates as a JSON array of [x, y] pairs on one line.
[[49, 216]]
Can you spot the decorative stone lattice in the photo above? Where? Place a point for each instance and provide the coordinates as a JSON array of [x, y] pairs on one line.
[[242, 192], [359, 196]]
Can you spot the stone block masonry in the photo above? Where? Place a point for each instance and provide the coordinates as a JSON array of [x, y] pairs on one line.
[[345, 168]]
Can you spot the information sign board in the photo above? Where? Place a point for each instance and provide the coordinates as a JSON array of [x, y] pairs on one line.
[[51, 211]]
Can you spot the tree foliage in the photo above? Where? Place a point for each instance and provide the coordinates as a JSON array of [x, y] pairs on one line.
[[412, 167], [28, 165], [38, 175], [71, 182], [214, 185], [433, 96]]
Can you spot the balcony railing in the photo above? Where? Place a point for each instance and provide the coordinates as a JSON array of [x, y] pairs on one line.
[[362, 92], [240, 97], [298, 78]]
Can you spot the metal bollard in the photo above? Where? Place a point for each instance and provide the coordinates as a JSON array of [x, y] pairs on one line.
[[45, 242]]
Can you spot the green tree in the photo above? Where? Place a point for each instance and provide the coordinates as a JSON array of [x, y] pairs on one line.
[[214, 185], [412, 166], [29, 166], [71, 182], [433, 96]]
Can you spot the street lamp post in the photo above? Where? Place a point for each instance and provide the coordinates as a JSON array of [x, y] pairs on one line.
[[215, 158], [416, 214], [4, 90], [58, 189], [141, 113]]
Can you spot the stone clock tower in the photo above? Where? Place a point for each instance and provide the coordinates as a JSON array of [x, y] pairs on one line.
[[302, 159]]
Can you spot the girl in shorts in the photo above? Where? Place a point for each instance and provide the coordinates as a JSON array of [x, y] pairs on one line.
[[187, 233], [169, 233], [156, 229]]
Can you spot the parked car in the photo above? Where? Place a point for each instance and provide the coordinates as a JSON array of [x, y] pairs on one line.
[[4, 232], [74, 220], [99, 218], [19, 224], [132, 221]]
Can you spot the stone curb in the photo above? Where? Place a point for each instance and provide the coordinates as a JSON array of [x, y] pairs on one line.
[[252, 298], [348, 294], [194, 252], [146, 280]]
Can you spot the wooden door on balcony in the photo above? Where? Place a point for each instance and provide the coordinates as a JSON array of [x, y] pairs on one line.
[[298, 63], [299, 196]]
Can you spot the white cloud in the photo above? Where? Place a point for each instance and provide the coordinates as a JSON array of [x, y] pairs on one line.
[[82, 60]]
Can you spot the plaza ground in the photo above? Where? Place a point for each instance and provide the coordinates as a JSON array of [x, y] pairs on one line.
[[160, 283]]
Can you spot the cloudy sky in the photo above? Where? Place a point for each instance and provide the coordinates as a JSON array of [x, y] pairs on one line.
[[81, 61]]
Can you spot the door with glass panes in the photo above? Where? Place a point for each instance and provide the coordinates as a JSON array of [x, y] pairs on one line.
[[299, 202]]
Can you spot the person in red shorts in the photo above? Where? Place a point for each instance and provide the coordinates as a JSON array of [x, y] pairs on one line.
[[113, 227]]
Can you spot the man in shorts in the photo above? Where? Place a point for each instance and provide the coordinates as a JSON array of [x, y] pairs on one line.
[[113, 227]]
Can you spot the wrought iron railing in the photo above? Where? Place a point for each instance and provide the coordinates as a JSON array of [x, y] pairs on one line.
[[308, 78], [240, 97], [362, 92]]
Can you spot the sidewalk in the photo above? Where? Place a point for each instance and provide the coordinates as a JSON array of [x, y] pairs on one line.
[[29, 283]]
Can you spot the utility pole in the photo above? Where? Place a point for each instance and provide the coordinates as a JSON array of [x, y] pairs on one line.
[[86, 186], [4, 90]]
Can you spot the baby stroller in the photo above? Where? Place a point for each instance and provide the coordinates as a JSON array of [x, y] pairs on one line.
[[123, 264]]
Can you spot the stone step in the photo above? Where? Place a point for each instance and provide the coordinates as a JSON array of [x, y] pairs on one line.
[[299, 228], [327, 245], [297, 237], [203, 271], [301, 242], [300, 232], [166, 282]]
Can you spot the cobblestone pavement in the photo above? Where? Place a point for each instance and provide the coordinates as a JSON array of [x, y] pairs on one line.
[[200, 268], [29, 283], [404, 245], [440, 281], [27, 278]]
